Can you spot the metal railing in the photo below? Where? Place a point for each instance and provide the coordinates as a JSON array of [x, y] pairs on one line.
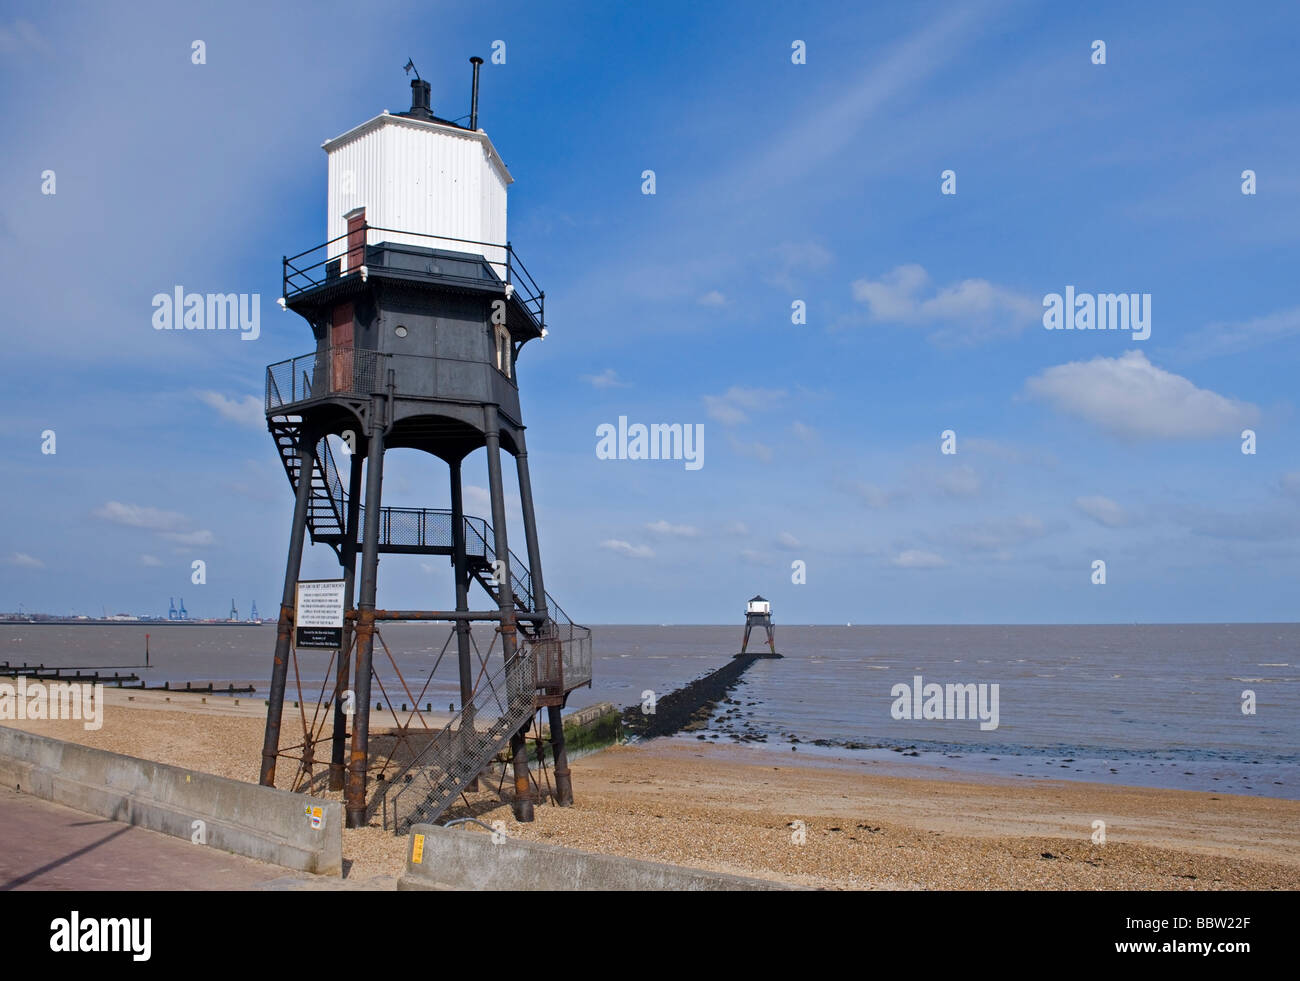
[[343, 256], [344, 370], [563, 657]]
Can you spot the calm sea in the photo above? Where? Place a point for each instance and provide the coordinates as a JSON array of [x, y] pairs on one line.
[[1153, 705]]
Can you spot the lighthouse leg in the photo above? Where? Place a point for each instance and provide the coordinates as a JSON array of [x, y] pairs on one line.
[[530, 530], [771, 638], [284, 632], [563, 779], [745, 644], [523, 806], [355, 793]]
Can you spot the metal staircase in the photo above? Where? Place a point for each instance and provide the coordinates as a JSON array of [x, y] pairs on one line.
[[327, 506], [432, 780], [553, 655]]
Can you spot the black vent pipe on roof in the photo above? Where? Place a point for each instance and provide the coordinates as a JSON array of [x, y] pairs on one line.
[[473, 98]]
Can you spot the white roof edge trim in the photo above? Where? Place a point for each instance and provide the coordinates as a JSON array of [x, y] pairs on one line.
[[385, 119]]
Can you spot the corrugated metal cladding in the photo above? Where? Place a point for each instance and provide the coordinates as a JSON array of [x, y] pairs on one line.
[[418, 178]]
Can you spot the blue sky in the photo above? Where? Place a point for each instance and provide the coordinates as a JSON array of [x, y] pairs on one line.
[[775, 182]]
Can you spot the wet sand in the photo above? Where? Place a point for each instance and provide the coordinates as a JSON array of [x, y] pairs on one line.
[[736, 809]]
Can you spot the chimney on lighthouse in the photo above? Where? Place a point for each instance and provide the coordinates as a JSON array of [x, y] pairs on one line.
[[420, 108]]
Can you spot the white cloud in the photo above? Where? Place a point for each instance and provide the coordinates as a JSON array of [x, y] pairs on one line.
[[737, 402], [25, 561], [662, 527], [804, 432], [152, 561], [1103, 510], [137, 516], [171, 525], [873, 496], [628, 549], [797, 257], [737, 528], [787, 541], [722, 411], [606, 379], [1229, 338], [22, 34], [247, 411], [1007, 452], [973, 309], [478, 500], [759, 451], [1130, 397], [712, 299], [823, 136], [993, 534], [915, 558], [960, 481], [190, 537]]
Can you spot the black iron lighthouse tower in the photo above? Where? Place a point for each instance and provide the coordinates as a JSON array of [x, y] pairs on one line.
[[419, 308]]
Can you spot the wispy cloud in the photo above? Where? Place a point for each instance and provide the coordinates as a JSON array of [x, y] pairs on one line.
[[22, 35], [1230, 338], [758, 451], [139, 516], [247, 410], [606, 379], [790, 260], [872, 495], [733, 407], [25, 561], [803, 432], [960, 481], [171, 525], [627, 548], [991, 534], [792, 152], [662, 527], [969, 310], [1102, 510], [915, 558]]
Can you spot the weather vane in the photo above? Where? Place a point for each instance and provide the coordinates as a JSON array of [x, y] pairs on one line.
[[410, 67]]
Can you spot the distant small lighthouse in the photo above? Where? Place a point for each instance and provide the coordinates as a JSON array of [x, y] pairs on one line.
[[758, 612]]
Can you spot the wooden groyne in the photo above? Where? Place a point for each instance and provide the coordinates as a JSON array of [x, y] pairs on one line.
[[99, 676], [94, 676]]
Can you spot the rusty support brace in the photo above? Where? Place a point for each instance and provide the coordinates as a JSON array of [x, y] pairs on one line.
[[431, 615]]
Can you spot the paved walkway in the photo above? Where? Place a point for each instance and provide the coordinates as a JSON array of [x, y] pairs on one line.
[[48, 846]]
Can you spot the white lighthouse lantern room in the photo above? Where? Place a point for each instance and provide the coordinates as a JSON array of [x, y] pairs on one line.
[[415, 179]]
